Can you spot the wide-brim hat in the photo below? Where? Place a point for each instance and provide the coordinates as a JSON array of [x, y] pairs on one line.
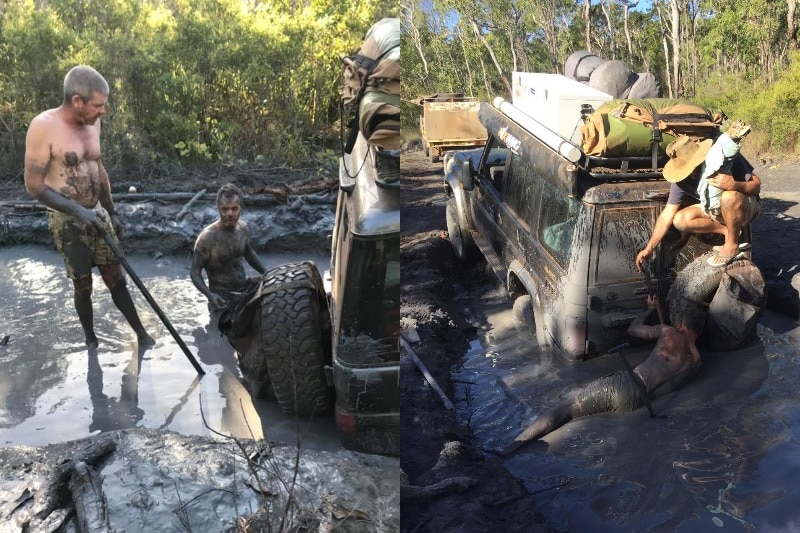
[[685, 154]]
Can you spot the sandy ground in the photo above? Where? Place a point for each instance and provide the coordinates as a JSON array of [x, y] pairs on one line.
[[435, 291]]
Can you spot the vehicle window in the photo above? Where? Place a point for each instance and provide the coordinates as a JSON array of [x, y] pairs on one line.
[[623, 233], [556, 222], [520, 191], [496, 163], [371, 299]]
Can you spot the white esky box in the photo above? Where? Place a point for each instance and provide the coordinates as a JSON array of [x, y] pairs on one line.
[[555, 101]]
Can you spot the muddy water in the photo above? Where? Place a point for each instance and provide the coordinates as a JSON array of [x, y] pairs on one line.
[[52, 390], [725, 458]]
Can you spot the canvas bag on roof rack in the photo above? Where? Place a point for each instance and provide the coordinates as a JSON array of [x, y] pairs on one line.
[[645, 127], [371, 89]]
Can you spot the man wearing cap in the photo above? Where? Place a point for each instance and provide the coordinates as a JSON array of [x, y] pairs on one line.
[[739, 203]]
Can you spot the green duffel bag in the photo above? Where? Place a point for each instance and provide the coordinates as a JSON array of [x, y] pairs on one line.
[[625, 127]]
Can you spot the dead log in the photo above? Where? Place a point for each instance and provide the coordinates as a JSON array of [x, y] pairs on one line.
[[47, 505], [429, 492], [185, 208]]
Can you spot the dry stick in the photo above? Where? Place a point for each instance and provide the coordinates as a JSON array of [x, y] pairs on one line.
[[118, 252], [189, 204], [428, 376]]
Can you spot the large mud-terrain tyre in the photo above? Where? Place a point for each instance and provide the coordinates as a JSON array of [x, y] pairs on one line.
[[696, 285], [464, 248], [295, 345], [525, 315]]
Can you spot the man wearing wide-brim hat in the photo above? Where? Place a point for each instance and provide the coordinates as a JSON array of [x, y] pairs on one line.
[[739, 203]]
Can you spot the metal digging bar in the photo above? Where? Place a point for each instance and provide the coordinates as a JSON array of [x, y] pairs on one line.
[[118, 252]]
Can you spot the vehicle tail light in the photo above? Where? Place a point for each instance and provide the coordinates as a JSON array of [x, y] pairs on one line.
[[345, 421]]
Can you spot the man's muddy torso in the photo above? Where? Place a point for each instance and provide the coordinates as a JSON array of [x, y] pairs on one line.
[[74, 167], [671, 355], [223, 251]]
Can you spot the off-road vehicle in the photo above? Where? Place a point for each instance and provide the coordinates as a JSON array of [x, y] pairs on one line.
[[311, 351], [562, 230]]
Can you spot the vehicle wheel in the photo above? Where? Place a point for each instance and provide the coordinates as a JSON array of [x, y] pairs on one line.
[[433, 157], [525, 316], [464, 247], [293, 338], [695, 285]]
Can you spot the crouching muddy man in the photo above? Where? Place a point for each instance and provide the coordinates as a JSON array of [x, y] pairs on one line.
[[219, 250], [673, 362], [64, 172], [739, 201]]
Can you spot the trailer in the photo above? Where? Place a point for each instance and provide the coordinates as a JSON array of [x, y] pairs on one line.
[[450, 122]]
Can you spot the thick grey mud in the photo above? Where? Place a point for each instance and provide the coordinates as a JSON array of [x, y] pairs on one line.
[[52, 389], [724, 457]]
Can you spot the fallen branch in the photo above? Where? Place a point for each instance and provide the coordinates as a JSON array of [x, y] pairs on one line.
[[428, 377], [429, 492], [189, 204]]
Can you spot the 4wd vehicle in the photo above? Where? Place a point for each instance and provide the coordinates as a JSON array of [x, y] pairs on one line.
[[314, 351], [561, 230], [310, 350]]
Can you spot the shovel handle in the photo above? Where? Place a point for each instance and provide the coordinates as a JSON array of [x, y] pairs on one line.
[[118, 252], [651, 289]]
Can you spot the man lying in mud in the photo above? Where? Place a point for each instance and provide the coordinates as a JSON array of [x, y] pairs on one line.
[[673, 362], [220, 248]]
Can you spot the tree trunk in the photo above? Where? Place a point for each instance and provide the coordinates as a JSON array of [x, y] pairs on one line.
[[625, 10], [675, 24], [489, 49], [466, 63], [791, 24], [410, 10], [605, 6], [587, 21]]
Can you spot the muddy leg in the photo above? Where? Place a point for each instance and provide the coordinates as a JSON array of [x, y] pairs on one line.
[[115, 281], [732, 204], [545, 423], [83, 305]]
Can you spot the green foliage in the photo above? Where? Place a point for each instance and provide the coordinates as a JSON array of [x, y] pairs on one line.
[[772, 108], [191, 80]]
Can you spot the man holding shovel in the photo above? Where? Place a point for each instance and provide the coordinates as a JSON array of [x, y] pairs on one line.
[[64, 171]]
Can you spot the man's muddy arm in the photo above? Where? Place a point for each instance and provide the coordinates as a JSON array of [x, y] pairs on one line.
[[106, 201], [196, 275], [663, 223], [252, 258], [638, 327]]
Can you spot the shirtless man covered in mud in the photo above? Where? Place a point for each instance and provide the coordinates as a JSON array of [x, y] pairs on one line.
[[219, 250], [63, 171], [672, 363]]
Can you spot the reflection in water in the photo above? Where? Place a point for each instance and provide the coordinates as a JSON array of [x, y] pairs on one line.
[[45, 367], [726, 457], [110, 413]]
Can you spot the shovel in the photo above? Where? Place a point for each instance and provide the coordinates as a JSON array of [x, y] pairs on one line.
[[651, 289], [118, 252]]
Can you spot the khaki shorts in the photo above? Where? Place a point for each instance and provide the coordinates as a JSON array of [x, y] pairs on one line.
[[752, 208], [81, 250]]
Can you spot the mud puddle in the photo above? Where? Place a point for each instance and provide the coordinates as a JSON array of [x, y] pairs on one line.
[[52, 390], [724, 458]]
